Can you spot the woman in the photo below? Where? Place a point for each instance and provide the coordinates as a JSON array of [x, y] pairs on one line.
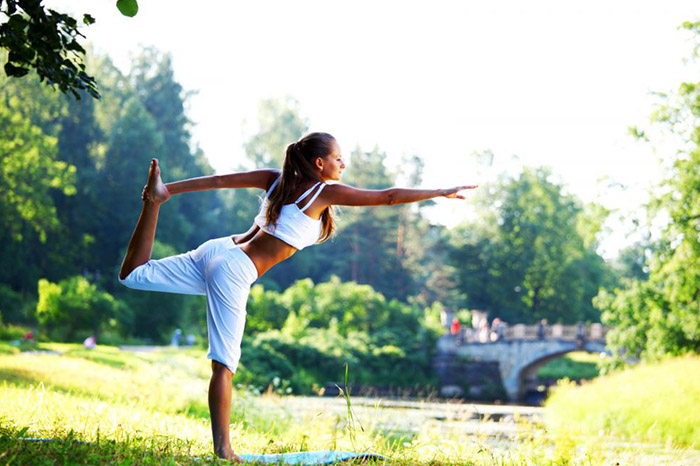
[[296, 213]]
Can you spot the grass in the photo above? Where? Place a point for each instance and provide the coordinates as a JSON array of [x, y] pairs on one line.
[[648, 403], [578, 366], [7, 348], [150, 408]]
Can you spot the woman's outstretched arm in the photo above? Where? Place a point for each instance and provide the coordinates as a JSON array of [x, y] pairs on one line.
[[253, 179], [340, 194]]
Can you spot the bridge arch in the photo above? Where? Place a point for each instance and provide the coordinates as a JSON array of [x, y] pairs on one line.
[[518, 359], [527, 376]]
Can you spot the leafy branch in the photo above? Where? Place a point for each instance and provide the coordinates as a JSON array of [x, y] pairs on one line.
[[48, 41]]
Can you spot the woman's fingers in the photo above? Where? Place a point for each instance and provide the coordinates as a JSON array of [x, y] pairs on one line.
[[454, 192]]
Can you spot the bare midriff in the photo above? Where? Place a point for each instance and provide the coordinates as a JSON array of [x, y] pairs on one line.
[[266, 251]]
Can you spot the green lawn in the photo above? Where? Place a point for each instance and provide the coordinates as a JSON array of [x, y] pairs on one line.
[[150, 408]]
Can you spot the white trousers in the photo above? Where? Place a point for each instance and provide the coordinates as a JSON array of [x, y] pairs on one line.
[[217, 269]]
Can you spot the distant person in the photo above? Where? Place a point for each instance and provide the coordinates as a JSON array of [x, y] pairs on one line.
[[90, 343], [455, 330], [175, 340], [541, 327], [297, 212], [28, 337], [496, 329], [190, 339], [580, 334], [454, 327], [484, 331]]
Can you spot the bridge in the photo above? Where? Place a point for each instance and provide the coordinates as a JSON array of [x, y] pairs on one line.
[[517, 350]]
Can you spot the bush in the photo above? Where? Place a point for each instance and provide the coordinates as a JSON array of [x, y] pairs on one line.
[[385, 343], [74, 308], [11, 332]]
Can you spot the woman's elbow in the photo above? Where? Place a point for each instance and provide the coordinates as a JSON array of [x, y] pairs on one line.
[[390, 197]]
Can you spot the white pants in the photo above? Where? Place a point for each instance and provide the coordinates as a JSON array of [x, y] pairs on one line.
[[217, 269]]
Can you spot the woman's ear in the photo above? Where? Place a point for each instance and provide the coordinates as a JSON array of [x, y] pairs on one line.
[[318, 161]]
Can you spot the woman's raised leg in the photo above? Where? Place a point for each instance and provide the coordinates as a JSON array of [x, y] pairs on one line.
[[141, 243]]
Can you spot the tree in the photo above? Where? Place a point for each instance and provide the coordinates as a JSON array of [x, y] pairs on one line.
[[365, 250], [47, 41], [153, 80], [661, 315], [29, 172], [529, 259], [133, 142], [279, 124]]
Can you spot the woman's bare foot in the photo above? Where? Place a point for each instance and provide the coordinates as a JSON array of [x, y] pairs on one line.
[[155, 190], [229, 455]]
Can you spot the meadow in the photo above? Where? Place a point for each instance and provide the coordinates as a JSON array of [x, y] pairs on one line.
[[108, 406], [652, 402]]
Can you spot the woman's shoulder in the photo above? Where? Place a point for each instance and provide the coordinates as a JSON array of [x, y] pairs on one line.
[[273, 176], [273, 172]]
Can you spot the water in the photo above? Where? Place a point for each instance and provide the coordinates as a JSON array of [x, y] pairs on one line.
[[406, 416], [498, 426]]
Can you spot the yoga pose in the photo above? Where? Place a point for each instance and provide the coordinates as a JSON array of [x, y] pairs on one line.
[[297, 212]]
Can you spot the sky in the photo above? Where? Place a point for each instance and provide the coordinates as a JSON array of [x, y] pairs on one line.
[[538, 83]]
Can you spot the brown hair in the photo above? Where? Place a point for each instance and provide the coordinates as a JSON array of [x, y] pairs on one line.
[[298, 167]]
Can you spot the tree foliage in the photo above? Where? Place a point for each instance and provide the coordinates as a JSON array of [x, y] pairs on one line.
[[30, 171], [385, 266], [279, 124], [385, 342], [660, 315], [47, 41], [527, 259]]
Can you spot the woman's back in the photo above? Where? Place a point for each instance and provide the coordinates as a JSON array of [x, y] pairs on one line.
[[293, 226]]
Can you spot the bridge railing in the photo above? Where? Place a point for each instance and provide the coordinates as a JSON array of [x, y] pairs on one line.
[[532, 332]]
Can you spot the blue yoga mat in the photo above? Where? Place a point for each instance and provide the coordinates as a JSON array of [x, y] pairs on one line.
[[300, 457], [311, 457]]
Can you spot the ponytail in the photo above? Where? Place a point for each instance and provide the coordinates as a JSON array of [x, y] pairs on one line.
[[298, 167]]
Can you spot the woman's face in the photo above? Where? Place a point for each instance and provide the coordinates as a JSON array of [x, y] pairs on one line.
[[332, 165]]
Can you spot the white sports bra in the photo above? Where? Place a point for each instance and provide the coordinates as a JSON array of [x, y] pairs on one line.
[[293, 227]]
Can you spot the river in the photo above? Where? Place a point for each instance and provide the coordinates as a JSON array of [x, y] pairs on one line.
[[498, 426], [406, 416]]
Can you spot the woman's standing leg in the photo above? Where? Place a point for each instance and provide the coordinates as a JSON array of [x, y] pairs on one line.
[[230, 275], [220, 388], [141, 244]]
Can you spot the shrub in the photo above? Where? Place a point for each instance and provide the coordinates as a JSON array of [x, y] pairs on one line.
[[74, 308]]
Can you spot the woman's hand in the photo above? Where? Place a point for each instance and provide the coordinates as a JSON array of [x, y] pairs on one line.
[[454, 193]]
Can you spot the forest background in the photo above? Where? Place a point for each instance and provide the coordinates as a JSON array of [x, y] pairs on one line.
[[72, 171]]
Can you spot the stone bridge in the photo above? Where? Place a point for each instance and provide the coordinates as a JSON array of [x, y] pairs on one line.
[[518, 352]]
